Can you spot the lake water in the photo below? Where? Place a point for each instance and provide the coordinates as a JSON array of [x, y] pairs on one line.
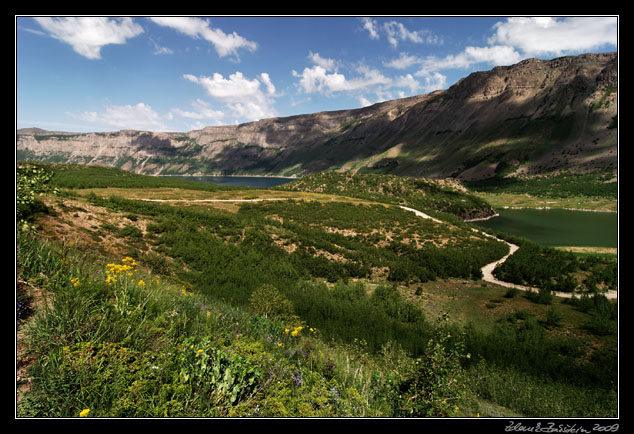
[[242, 181], [556, 227]]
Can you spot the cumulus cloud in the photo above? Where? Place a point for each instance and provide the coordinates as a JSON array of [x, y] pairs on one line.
[[248, 99], [494, 56], [520, 37], [136, 117], [324, 77], [433, 80], [514, 40], [225, 44], [555, 36], [87, 35], [318, 79]]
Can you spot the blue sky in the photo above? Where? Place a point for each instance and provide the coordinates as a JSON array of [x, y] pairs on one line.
[[178, 73]]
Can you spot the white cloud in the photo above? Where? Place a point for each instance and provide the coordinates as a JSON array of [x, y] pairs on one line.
[[396, 32], [327, 64], [137, 117], [371, 26], [433, 80], [496, 56], [270, 88], [403, 61], [516, 39], [202, 111], [324, 78], [159, 49], [556, 36], [241, 96], [225, 44], [87, 35], [318, 79], [364, 102], [407, 81]]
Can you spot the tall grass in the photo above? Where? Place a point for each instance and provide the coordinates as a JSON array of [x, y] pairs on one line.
[[124, 349], [535, 396], [110, 339]]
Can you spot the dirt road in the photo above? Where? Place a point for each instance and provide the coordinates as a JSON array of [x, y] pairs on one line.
[[487, 270]]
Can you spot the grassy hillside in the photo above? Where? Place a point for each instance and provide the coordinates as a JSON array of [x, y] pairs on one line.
[[432, 196], [314, 305]]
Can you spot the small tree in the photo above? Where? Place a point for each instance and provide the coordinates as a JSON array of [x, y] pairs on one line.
[[31, 181], [269, 302], [439, 385]]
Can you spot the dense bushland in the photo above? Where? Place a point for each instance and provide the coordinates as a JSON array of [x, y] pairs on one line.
[[118, 342], [595, 184], [80, 176], [229, 256], [422, 194], [260, 313], [556, 270]]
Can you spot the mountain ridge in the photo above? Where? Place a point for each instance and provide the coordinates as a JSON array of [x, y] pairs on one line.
[[536, 116]]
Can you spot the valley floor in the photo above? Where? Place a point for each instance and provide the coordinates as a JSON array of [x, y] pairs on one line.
[[81, 218]]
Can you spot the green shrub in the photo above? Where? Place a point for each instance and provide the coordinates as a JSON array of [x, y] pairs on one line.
[[439, 386], [269, 302]]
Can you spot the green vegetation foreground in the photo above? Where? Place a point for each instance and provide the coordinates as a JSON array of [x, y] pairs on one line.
[[168, 332]]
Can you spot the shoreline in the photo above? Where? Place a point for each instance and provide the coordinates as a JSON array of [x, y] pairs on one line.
[[234, 176], [482, 219], [548, 208], [488, 269]]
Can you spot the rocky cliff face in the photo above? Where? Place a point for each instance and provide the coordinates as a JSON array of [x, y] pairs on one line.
[[535, 116]]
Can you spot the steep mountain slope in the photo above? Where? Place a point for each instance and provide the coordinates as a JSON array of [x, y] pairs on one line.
[[536, 116]]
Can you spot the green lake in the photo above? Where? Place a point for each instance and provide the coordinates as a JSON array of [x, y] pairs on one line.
[[557, 227]]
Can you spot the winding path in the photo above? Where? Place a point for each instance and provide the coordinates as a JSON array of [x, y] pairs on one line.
[[487, 270]]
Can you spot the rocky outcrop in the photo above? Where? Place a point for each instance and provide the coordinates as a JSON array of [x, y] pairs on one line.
[[532, 117]]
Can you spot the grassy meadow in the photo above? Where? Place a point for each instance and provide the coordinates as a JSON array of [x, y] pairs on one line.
[[156, 297]]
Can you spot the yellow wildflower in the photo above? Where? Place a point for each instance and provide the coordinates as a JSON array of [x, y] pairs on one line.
[[84, 412], [141, 283], [75, 281]]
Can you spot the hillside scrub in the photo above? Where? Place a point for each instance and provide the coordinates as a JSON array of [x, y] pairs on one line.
[[122, 343], [422, 194], [562, 185], [226, 243], [271, 312], [556, 270]]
